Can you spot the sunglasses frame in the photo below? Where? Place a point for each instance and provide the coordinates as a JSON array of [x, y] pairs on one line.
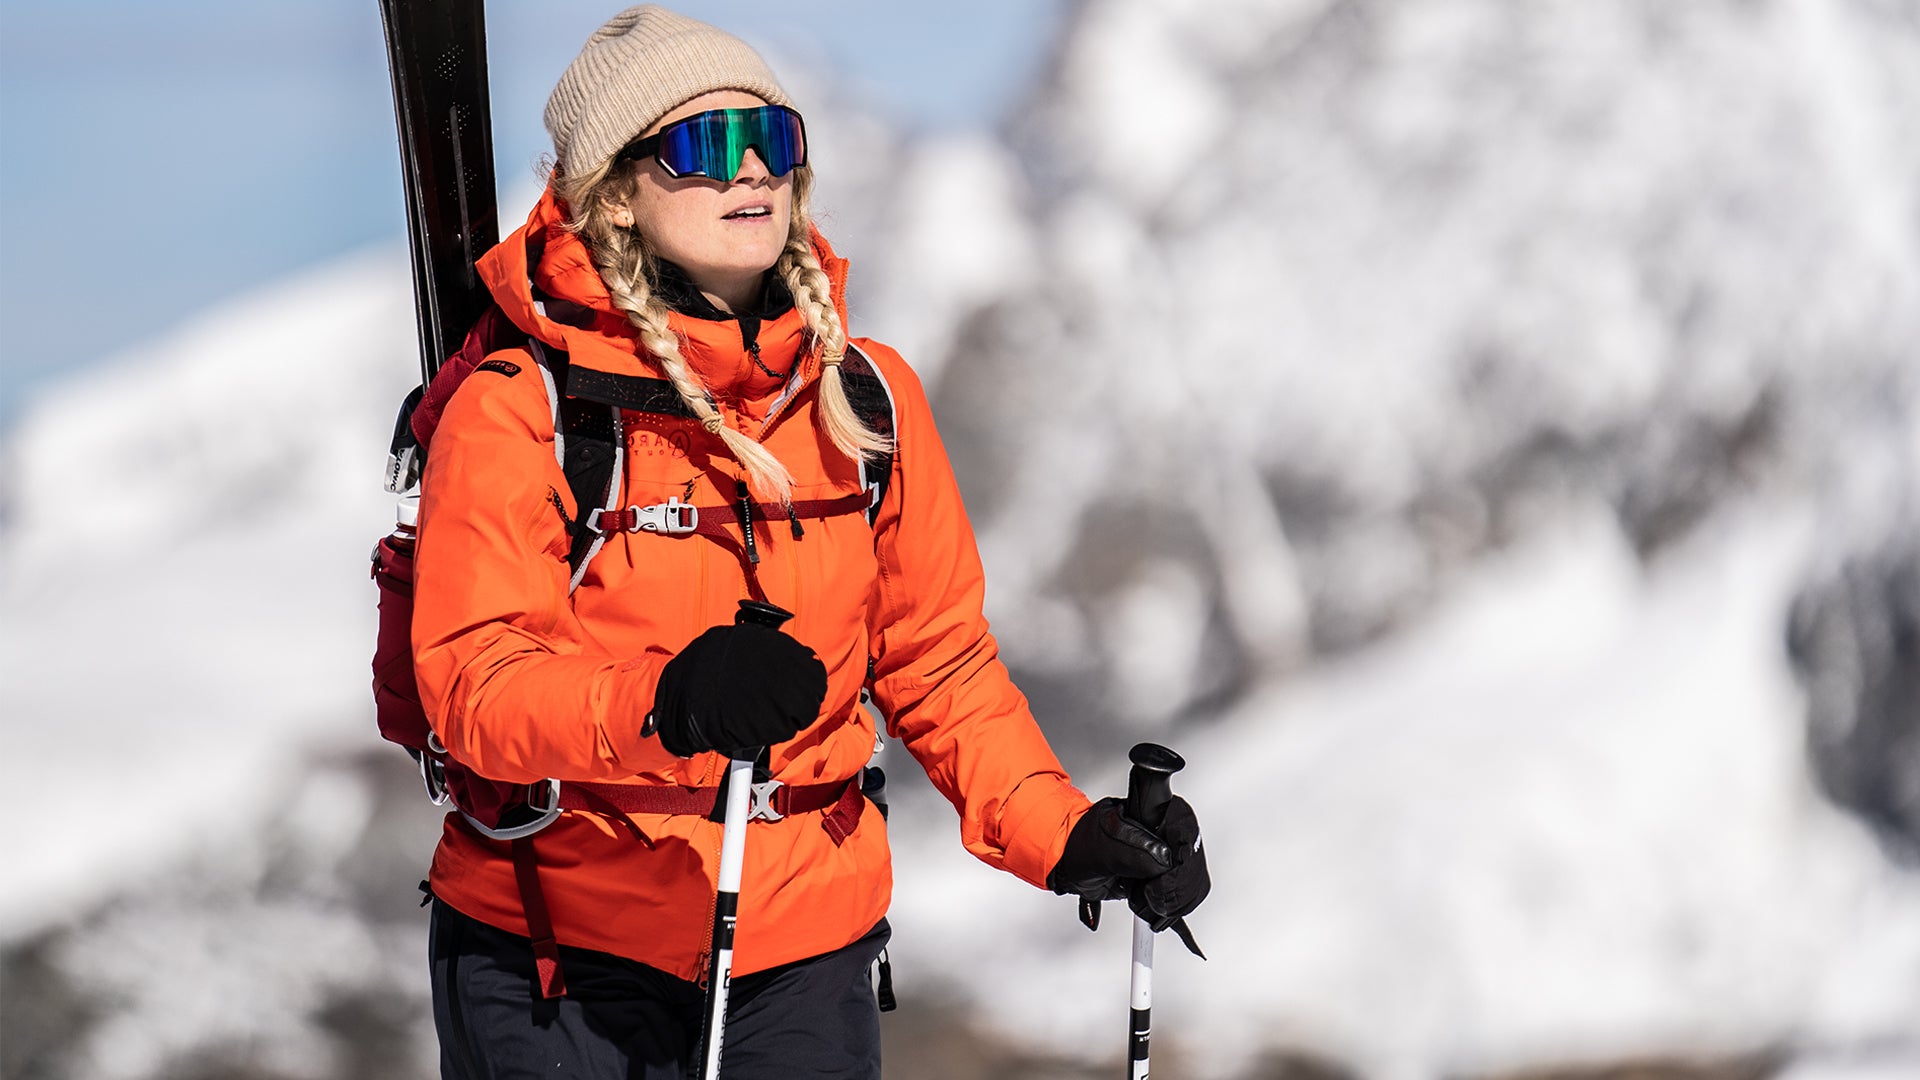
[[649, 146]]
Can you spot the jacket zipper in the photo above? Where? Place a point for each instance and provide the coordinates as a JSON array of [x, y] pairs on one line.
[[794, 379]]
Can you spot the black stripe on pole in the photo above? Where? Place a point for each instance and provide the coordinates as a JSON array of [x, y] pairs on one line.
[[1137, 1042], [726, 909]]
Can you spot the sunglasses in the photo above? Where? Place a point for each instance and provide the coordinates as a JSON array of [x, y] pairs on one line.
[[712, 144]]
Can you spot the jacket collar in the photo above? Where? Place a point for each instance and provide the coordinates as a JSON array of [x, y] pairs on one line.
[[546, 283]]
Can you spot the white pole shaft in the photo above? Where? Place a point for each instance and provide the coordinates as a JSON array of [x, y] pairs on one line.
[[1140, 995], [733, 856], [733, 838]]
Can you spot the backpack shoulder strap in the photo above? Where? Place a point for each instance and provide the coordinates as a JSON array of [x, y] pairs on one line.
[[632, 392], [586, 443], [872, 401]]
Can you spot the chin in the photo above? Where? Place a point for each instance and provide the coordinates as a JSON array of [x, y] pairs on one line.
[[758, 260]]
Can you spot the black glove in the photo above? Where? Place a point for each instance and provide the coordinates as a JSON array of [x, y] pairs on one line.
[[1109, 856], [737, 687]]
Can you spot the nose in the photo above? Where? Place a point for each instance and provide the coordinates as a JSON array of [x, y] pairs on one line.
[[752, 169]]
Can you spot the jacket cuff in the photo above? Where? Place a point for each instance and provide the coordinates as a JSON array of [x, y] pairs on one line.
[[1034, 823], [629, 700]]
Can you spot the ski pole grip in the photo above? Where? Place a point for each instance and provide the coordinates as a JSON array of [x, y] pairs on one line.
[[763, 614], [1150, 783]]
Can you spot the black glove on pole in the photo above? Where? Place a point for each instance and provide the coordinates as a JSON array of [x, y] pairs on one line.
[[1165, 900], [1111, 855], [1149, 792], [1147, 852], [736, 687]]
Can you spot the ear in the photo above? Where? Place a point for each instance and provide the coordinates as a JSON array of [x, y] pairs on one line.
[[618, 211]]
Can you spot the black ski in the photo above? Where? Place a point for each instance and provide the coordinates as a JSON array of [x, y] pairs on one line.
[[437, 50]]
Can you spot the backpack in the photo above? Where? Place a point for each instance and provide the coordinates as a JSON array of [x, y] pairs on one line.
[[585, 407]]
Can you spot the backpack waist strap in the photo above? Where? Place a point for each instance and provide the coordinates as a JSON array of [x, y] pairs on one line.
[[771, 801], [844, 802]]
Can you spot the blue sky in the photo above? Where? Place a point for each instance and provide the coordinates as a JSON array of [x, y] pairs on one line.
[[157, 157]]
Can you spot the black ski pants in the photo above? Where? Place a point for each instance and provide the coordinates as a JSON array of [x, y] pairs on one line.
[[623, 1020]]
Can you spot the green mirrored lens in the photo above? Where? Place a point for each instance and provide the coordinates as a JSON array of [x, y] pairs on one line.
[[713, 144]]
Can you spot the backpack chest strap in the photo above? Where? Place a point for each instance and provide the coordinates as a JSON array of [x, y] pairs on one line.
[[675, 518]]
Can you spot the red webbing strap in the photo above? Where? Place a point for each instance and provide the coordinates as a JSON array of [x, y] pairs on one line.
[[662, 799], [636, 798], [717, 520], [546, 951], [845, 815], [855, 503], [806, 798]]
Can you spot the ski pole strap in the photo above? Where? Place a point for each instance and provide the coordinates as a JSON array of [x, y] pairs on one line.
[[883, 988], [546, 950]]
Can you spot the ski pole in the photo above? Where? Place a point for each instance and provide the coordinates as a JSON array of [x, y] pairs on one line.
[[733, 854], [1149, 789]]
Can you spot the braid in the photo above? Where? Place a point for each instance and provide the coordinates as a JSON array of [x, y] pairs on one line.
[[812, 293]]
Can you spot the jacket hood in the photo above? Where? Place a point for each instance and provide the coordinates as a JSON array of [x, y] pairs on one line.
[[543, 279]]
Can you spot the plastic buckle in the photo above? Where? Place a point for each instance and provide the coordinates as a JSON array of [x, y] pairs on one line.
[[433, 770], [553, 799], [672, 517], [433, 773], [546, 815], [760, 801]]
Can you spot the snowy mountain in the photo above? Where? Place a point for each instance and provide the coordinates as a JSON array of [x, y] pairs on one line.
[[1386, 282], [1483, 437], [1434, 411]]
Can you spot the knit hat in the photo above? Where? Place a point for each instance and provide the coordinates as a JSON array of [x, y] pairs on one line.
[[634, 70]]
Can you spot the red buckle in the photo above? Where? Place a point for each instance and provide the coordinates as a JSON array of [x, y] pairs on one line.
[[670, 518]]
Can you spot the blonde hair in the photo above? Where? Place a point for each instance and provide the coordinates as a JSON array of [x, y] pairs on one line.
[[628, 266]]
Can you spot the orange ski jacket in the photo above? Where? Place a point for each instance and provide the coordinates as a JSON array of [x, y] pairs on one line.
[[522, 681]]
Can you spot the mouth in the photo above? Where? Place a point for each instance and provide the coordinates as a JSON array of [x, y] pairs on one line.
[[754, 212]]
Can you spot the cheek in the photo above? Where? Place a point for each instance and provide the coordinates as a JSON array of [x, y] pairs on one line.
[[665, 217]]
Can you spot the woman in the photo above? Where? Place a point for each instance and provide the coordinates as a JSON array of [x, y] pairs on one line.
[[672, 255]]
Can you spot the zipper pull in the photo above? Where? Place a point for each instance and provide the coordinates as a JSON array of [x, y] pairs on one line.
[[746, 521], [794, 520], [753, 353]]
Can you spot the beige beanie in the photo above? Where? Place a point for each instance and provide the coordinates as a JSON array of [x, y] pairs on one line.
[[636, 68]]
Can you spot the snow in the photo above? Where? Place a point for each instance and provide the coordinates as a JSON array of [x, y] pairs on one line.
[[1564, 816], [188, 612]]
